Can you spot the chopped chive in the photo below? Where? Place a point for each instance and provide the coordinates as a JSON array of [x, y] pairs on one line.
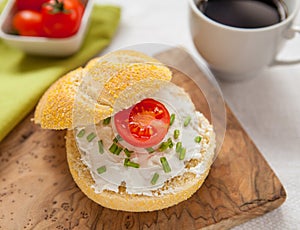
[[133, 164], [150, 150], [106, 121], [100, 147], [198, 139], [187, 121], [170, 143], [117, 139], [120, 138], [127, 152], [102, 169], [172, 118], [81, 133], [165, 164], [91, 137], [154, 178], [113, 148], [178, 147], [163, 146], [182, 153], [176, 133], [129, 163], [119, 149], [126, 161]]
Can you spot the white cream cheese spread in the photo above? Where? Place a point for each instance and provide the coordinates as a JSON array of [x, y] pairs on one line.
[[108, 170]]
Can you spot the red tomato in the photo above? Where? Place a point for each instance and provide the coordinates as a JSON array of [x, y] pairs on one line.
[[28, 23], [144, 124], [61, 18], [30, 4]]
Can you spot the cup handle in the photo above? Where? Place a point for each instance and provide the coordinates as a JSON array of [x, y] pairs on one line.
[[289, 35]]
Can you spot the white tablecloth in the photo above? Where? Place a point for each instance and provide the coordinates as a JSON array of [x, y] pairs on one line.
[[267, 106]]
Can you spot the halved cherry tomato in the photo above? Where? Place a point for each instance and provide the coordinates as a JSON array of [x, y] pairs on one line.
[[61, 18], [28, 23], [144, 124], [30, 4]]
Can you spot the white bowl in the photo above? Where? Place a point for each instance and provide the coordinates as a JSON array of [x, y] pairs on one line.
[[56, 47]]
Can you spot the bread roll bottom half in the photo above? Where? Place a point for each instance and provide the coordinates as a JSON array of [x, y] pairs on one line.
[[133, 189]]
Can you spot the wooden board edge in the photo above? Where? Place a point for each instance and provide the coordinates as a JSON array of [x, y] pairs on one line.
[[250, 214]]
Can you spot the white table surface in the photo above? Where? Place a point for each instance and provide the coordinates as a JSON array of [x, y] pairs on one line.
[[267, 106]]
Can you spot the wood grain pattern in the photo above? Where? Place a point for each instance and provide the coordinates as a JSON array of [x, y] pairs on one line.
[[37, 190]]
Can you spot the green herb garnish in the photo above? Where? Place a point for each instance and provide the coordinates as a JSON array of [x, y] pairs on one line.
[[100, 147], [91, 137], [170, 142], [198, 139], [113, 148], [81, 133], [182, 153], [117, 139], [178, 147], [165, 165], [119, 149], [176, 133], [102, 169], [172, 119], [154, 178], [163, 146], [128, 152], [187, 121], [129, 163], [181, 150], [150, 150], [106, 121]]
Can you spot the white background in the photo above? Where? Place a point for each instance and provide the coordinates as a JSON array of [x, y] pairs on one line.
[[267, 106]]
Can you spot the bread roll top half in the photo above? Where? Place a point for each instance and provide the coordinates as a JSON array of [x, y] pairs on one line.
[[105, 86]]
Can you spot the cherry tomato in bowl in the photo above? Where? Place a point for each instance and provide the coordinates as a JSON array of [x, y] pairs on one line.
[[30, 4], [28, 23], [144, 124], [61, 18]]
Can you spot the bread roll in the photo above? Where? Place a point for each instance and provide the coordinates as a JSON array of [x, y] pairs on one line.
[[86, 96]]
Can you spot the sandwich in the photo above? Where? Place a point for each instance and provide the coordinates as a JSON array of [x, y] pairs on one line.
[[134, 140]]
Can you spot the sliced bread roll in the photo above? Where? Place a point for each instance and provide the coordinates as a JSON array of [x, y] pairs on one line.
[[104, 87]]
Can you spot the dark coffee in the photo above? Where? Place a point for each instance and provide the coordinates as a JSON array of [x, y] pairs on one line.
[[244, 13]]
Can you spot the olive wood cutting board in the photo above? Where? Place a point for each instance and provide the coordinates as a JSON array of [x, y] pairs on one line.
[[37, 190]]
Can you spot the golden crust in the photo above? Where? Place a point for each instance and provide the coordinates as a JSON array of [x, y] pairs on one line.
[[188, 184], [88, 95], [49, 113]]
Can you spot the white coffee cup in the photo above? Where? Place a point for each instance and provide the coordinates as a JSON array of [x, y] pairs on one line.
[[236, 53]]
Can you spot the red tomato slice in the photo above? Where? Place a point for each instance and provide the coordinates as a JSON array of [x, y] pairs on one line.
[[144, 124]]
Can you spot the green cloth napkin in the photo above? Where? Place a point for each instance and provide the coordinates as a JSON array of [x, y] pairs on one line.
[[24, 78]]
